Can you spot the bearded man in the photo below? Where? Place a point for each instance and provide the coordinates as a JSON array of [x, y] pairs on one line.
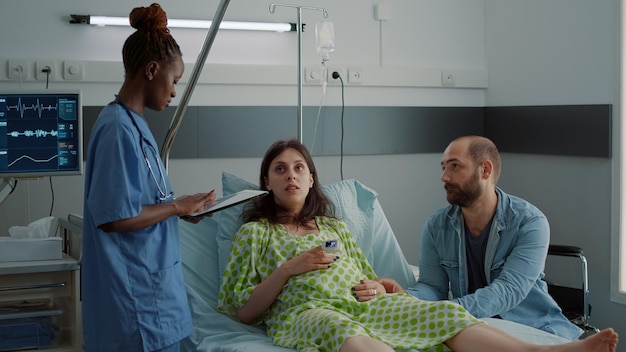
[[487, 249]]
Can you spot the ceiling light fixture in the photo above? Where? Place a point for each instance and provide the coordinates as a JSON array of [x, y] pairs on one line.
[[179, 23]]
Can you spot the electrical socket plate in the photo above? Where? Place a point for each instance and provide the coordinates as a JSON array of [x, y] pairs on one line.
[[355, 75], [42, 76], [313, 74], [17, 69], [73, 70], [342, 73], [447, 78]]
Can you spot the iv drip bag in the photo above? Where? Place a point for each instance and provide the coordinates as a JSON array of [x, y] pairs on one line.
[[325, 38]]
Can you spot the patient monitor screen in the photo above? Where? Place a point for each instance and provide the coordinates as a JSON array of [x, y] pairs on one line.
[[40, 134]]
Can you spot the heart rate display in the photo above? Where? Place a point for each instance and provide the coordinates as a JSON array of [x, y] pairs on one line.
[[40, 134], [32, 106]]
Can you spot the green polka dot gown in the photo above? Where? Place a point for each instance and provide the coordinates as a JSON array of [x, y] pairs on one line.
[[316, 311]]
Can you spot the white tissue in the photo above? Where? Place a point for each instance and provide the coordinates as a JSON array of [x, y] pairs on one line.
[[37, 229]]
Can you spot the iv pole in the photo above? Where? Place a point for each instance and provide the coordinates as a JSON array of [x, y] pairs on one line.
[[299, 26], [182, 106]]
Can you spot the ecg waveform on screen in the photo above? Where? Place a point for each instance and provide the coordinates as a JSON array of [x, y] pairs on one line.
[[35, 133], [37, 107], [33, 159]]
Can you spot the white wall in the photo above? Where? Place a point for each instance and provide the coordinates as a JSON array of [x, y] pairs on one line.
[[561, 52]]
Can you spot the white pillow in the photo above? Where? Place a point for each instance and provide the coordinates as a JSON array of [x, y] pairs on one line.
[[355, 203]]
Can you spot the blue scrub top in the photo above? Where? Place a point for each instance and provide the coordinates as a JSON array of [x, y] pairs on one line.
[[133, 292]]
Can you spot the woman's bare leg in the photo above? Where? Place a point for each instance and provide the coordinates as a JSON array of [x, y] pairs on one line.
[[484, 338], [364, 343]]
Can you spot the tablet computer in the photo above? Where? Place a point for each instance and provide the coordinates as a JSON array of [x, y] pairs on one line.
[[227, 202]]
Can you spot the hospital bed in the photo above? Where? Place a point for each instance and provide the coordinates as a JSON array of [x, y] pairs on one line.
[[206, 246]]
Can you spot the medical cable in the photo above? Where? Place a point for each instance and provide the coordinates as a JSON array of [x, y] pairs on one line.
[[13, 187], [336, 75], [47, 71], [380, 44], [52, 193]]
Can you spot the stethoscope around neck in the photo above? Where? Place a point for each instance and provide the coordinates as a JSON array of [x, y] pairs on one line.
[[163, 193]]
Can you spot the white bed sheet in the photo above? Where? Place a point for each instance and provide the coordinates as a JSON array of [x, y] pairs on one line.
[[215, 332]]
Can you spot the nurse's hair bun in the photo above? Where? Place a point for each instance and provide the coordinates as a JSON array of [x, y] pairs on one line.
[[151, 41], [151, 18]]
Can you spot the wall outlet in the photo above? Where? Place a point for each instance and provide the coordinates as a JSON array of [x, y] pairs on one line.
[[42, 65], [17, 69], [342, 75], [73, 70], [355, 75], [313, 74], [447, 78]]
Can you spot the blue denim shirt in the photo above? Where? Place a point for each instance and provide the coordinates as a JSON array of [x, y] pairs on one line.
[[514, 261]]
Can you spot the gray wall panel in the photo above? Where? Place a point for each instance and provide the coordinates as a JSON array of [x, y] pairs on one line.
[[576, 130], [230, 132], [242, 131], [247, 131], [407, 130], [187, 146]]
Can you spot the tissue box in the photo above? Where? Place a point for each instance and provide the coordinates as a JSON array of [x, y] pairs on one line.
[[22, 249]]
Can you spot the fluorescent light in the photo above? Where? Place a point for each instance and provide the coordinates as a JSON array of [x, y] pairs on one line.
[[178, 23]]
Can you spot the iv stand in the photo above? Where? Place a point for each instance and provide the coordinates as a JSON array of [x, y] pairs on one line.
[[182, 106], [299, 26]]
